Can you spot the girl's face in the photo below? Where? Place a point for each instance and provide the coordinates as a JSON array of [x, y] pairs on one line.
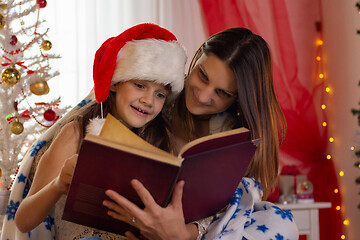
[[138, 101], [211, 87]]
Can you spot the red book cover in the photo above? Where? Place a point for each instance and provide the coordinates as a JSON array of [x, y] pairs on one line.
[[212, 168]]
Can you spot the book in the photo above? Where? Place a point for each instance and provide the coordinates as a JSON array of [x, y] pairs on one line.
[[211, 166]]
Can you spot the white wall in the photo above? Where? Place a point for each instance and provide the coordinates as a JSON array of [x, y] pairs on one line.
[[342, 59]]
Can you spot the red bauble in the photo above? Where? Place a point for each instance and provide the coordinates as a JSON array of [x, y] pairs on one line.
[[13, 40], [41, 3], [49, 115]]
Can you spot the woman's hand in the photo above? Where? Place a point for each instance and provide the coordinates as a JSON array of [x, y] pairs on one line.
[[154, 221]]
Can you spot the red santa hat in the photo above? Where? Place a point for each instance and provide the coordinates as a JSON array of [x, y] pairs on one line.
[[145, 51]]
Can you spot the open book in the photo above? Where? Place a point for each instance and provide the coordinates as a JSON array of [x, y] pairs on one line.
[[211, 166]]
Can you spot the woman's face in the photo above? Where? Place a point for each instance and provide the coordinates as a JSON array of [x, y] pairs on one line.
[[211, 87]]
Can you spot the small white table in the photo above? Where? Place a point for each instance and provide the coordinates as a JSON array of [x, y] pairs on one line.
[[306, 216]]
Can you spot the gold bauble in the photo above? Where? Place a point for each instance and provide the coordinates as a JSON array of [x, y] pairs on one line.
[[3, 6], [2, 21], [10, 76], [46, 45], [16, 127], [40, 88]]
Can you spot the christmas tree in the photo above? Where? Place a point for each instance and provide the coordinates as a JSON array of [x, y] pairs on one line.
[[25, 70]]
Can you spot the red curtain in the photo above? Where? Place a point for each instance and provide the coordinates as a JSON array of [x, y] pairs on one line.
[[289, 28]]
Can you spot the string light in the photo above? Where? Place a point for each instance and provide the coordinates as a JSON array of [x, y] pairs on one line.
[[336, 190], [324, 124], [331, 139], [328, 156], [352, 148], [338, 208], [343, 236], [321, 76], [323, 106], [318, 58], [327, 89], [346, 222], [341, 173], [319, 42]]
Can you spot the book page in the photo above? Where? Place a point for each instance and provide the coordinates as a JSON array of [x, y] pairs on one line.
[[115, 131], [195, 142]]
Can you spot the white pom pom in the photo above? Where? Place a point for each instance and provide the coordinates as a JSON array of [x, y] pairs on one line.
[[95, 125]]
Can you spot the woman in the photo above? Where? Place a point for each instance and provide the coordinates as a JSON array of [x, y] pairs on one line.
[[229, 85]]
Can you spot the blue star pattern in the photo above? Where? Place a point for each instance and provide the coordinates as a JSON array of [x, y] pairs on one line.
[[286, 213], [26, 189], [262, 228], [82, 103], [249, 223], [11, 209], [247, 212], [279, 237], [35, 148], [246, 185], [21, 178], [49, 222], [236, 197]]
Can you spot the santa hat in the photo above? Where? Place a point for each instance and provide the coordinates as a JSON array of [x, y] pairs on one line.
[[146, 52]]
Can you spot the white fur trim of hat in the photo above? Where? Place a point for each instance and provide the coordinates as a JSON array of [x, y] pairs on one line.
[[151, 59]]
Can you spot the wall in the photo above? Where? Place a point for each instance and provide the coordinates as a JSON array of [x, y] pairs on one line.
[[342, 57]]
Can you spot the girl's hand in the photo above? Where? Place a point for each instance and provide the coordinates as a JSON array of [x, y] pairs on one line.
[[154, 221], [66, 173]]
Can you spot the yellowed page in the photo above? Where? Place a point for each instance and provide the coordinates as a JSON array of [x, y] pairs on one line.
[[115, 131], [213, 136]]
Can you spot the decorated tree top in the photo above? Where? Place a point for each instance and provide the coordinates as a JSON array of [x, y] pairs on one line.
[[25, 69]]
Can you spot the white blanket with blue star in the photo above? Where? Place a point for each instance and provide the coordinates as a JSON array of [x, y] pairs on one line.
[[21, 186], [247, 217]]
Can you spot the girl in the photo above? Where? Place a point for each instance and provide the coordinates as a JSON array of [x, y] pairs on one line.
[[133, 75], [229, 85]]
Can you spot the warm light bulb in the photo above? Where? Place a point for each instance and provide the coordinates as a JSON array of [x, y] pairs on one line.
[[324, 124], [323, 106], [346, 222], [327, 89], [319, 42], [318, 58], [321, 75], [338, 208], [336, 190], [343, 236], [341, 173], [328, 156], [331, 139], [352, 148]]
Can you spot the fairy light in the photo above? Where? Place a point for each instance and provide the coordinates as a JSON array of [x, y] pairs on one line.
[[346, 222], [320, 79], [319, 42], [352, 148]]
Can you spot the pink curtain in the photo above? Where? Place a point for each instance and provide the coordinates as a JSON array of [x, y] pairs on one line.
[[289, 28]]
